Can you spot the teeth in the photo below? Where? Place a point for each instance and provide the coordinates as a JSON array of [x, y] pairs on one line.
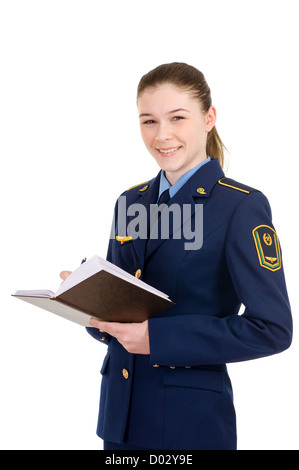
[[169, 151]]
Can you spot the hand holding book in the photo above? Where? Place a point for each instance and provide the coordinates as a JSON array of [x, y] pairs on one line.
[[133, 337], [99, 289]]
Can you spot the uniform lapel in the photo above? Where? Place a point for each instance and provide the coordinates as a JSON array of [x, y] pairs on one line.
[[146, 198], [195, 191]]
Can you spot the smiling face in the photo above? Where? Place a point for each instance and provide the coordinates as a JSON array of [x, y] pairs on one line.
[[174, 128]]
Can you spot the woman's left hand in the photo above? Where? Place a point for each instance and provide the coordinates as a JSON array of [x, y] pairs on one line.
[[133, 337]]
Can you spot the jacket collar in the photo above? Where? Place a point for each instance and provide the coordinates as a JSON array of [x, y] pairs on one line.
[[203, 181], [199, 186]]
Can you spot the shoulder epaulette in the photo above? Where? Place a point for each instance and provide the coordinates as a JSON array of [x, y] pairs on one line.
[[229, 183], [136, 186]]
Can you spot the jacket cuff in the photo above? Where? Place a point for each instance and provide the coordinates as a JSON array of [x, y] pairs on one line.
[[98, 335]]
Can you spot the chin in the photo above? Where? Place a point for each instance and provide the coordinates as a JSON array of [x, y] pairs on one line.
[[168, 165]]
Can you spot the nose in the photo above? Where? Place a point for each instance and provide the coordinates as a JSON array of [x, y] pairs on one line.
[[164, 132]]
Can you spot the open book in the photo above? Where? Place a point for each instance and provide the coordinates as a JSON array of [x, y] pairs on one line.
[[99, 289]]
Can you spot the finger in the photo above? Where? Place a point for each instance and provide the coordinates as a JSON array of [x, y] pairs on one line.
[[95, 323], [65, 274], [113, 328], [101, 325]]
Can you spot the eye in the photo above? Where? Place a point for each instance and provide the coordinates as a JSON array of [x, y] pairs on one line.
[[150, 121], [178, 118]]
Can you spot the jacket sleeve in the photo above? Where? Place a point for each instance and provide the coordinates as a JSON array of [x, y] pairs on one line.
[[98, 335], [265, 327]]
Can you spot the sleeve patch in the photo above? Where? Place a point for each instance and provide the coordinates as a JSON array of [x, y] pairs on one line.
[[267, 247]]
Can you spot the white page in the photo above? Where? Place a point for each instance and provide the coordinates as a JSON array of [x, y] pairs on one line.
[[96, 264], [60, 309], [35, 293]]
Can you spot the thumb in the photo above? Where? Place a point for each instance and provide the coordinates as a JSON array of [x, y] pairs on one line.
[[65, 274]]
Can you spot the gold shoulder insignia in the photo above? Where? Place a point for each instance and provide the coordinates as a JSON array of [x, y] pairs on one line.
[[267, 247], [136, 186], [229, 183]]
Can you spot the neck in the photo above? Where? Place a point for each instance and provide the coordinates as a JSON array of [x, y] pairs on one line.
[[173, 176]]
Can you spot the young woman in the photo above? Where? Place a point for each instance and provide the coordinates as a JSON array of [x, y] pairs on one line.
[[165, 383]]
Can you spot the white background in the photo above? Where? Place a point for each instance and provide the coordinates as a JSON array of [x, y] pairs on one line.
[[70, 145]]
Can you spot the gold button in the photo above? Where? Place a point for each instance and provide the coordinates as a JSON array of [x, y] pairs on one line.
[[188, 367], [125, 373], [172, 367], [138, 273], [156, 365], [103, 338]]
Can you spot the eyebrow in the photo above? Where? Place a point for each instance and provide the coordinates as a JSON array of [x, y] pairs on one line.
[[170, 112]]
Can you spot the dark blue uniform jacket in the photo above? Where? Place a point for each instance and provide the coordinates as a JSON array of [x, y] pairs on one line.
[[180, 396]]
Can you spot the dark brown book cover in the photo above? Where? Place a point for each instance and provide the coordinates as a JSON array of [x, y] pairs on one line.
[[110, 298], [99, 289]]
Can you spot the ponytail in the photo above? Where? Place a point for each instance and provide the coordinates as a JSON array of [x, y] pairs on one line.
[[215, 147]]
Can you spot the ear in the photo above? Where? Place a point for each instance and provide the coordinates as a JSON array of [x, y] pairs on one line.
[[210, 118]]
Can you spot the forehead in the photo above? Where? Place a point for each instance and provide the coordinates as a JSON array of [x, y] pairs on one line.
[[163, 98]]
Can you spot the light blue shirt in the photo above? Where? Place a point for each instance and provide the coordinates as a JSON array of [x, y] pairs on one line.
[[164, 184]]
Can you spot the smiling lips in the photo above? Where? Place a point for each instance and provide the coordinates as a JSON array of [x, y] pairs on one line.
[[168, 151]]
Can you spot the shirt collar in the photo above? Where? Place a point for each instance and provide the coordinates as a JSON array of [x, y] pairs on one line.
[[164, 184]]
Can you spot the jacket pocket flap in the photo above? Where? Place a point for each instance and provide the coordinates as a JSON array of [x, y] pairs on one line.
[[195, 378], [105, 363]]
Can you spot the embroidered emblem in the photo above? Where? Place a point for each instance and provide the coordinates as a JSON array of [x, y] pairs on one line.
[[201, 190], [144, 188], [123, 239], [267, 247], [267, 239]]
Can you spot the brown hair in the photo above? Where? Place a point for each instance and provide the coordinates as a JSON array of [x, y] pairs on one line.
[[192, 80]]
